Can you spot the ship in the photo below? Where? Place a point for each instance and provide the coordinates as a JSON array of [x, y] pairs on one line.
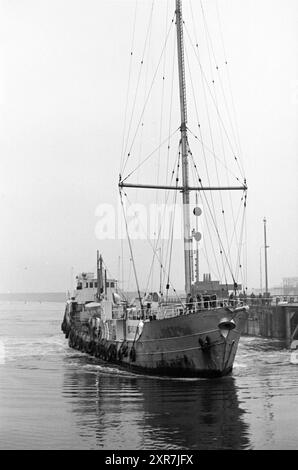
[[191, 335]]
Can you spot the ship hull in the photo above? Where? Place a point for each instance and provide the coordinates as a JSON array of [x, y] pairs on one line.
[[190, 345]]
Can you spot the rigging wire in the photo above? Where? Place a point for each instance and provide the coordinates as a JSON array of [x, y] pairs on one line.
[[212, 212], [162, 101], [145, 92], [204, 154], [222, 250], [207, 36], [245, 255], [214, 103], [214, 98], [208, 227], [241, 239], [214, 155], [112, 277], [160, 261], [212, 142], [161, 125], [209, 40], [171, 229], [171, 107], [139, 75], [150, 154], [210, 238], [129, 273], [122, 261], [128, 83], [169, 146], [163, 216], [219, 117], [131, 252], [148, 95], [229, 82]]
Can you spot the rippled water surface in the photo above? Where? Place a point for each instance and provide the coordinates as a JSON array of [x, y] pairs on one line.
[[52, 397]]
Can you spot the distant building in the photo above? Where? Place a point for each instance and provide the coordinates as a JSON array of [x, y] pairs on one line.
[[290, 285], [275, 290], [213, 287]]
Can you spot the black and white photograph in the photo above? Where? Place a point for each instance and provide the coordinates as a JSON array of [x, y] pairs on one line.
[[148, 247]]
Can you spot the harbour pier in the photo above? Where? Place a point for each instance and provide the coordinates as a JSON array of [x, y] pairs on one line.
[[273, 318]]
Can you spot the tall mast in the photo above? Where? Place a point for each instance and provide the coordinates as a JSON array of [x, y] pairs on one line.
[[188, 253], [261, 281], [266, 268], [197, 273]]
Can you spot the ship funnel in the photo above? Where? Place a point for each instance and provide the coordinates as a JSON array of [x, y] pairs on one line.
[[225, 325]]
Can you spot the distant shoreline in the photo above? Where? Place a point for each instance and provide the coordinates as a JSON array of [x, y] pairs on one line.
[[34, 296]]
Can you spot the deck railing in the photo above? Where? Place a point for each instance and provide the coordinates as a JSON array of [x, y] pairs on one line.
[[271, 299], [168, 310]]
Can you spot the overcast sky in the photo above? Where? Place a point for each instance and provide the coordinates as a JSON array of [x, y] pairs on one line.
[[63, 76]]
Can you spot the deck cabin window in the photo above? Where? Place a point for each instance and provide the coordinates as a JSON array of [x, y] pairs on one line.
[[86, 284], [95, 284], [91, 284], [110, 284]]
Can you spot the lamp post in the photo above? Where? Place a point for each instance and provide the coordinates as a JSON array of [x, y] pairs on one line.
[[266, 266], [261, 280]]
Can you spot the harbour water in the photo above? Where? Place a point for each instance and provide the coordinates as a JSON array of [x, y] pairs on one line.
[[52, 397]]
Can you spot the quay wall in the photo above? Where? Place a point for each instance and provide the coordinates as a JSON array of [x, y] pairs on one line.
[[273, 321]]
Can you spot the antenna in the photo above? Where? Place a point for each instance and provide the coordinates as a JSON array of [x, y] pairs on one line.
[[266, 267], [261, 281]]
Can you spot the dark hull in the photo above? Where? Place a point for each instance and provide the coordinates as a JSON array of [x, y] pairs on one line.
[[185, 346], [177, 372]]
